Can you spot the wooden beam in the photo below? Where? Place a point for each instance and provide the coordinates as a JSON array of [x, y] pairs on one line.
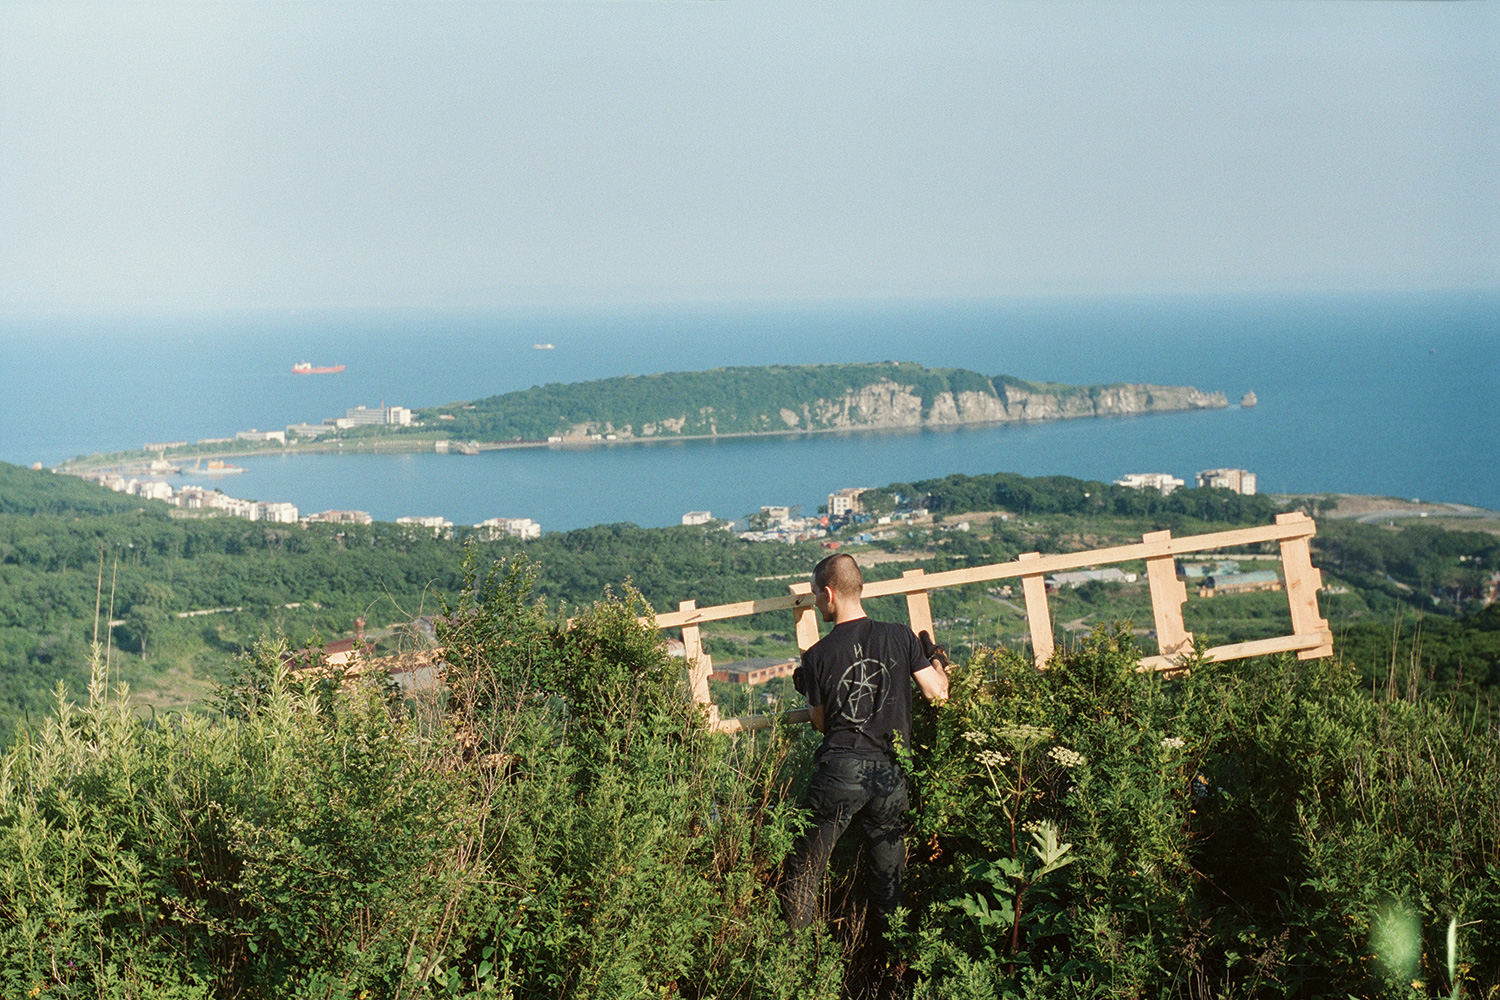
[[918, 609], [747, 723], [1243, 650], [1046, 565], [699, 665], [719, 612], [806, 615], [1001, 571], [1167, 597], [1303, 582], [1038, 616]]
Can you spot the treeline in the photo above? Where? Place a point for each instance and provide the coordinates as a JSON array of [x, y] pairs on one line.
[[722, 400], [1025, 496], [73, 555], [67, 564]]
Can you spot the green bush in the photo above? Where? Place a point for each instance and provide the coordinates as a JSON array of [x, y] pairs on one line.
[[1247, 829], [562, 823]]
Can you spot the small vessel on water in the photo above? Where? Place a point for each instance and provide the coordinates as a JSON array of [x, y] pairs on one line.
[[542, 347], [1248, 400], [217, 467], [306, 368]]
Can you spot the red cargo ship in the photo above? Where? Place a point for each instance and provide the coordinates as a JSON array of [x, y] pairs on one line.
[[306, 368]]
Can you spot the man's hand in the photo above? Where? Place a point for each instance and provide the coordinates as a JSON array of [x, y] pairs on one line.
[[932, 650]]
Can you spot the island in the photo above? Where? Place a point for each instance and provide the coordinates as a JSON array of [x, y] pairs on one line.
[[783, 399], [773, 399]]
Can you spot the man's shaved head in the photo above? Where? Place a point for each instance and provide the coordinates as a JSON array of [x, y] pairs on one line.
[[841, 573]]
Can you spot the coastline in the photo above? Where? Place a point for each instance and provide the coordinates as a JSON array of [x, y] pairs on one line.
[[424, 441]]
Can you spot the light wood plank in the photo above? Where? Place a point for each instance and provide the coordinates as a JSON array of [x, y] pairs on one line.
[[747, 723], [1038, 615], [1244, 650], [1303, 581], [698, 664], [918, 608], [1167, 597], [806, 616]]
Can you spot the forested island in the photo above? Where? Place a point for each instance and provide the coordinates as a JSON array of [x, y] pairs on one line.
[[792, 398]]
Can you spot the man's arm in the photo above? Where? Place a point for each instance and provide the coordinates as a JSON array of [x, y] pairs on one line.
[[932, 679], [815, 716]]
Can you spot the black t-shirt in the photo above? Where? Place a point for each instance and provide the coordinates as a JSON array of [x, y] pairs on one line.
[[861, 675]]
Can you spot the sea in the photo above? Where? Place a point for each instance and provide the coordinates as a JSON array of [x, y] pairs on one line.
[[1387, 394]]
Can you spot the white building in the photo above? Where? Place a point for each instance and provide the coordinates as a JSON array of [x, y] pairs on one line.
[[154, 490], [842, 503], [281, 513], [1228, 479], [307, 430], [697, 517], [340, 517], [1078, 578], [362, 415], [777, 515], [254, 435], [1162, 481], [515, 527], [441, 527]]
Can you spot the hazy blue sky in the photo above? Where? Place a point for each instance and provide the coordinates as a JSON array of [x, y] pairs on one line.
[[170, 156]]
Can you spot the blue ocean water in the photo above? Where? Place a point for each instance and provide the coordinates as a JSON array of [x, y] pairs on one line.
[[1382, 394]]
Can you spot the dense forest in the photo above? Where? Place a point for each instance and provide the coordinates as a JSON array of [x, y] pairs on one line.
[[786, 397], [188, 595]]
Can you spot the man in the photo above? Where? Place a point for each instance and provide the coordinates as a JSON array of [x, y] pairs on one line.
[[858, 681]]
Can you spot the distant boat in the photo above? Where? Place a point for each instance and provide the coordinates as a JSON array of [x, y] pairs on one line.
[[306, 368], [219, 468], [1248, 400], [542, 347]]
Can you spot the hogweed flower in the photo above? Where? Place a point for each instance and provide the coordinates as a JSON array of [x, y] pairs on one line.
[[992, 758], [1172, 743], [1022, 736], [1066, 757], [977, 738]]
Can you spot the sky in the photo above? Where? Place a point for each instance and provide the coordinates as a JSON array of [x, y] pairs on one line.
[[222, 156]]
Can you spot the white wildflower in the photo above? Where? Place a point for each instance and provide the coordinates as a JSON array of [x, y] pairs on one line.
[[977, 738], [1172, 743], [1066, 757], [1031, 826], [992, 758], [1023, 736]]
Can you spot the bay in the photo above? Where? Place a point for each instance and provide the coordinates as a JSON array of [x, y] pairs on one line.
[[1384, 394]]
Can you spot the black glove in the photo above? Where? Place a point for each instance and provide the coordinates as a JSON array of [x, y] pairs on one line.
[[932, 650]]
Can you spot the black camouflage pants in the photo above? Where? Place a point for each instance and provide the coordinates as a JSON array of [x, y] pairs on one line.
[[842, 791]]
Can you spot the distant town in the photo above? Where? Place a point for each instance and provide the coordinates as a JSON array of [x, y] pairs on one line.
[[146, 480]]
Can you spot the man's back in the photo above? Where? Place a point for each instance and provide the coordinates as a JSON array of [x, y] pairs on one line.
[[860, 674]]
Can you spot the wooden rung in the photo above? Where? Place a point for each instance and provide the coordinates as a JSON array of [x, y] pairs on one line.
[[698, 664], [1038, 616], [746, 723], [1167, 596], [805, 615], [918, 608], [1303, 582], [1243, 650]]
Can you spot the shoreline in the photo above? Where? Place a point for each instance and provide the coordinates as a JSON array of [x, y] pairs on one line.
[[424, 441]]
